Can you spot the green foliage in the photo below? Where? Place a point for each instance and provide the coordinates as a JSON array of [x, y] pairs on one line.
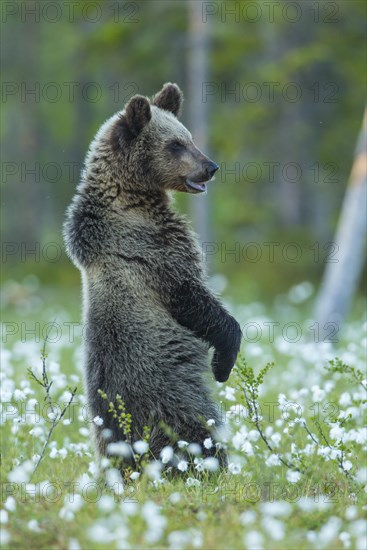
[[117, 409], [247, 380], [56, 414], [118, 412], [336, 365]]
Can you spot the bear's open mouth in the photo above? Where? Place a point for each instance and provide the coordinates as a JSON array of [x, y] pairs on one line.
[[200, 187]]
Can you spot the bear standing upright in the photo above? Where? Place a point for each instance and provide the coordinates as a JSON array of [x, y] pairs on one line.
[[149, 317]]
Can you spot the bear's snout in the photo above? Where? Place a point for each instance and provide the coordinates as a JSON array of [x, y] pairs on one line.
[[210, 168]]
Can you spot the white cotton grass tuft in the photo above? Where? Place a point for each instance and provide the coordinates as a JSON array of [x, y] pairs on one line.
[[34, 526], [74, 545], [175, 497], [140, 447], [153, 470], [182, 465], [211, 464], [253, 540], [273, 460], [194, 449], [119, 448], [276, 508], [98, 421], [100, 534], [114, 480], [208, 443], [4, 516], [178, 540], [21, 473], [166, 454], [129, 508], [293, 476], [234, 469], [4, 537], [10, 504]]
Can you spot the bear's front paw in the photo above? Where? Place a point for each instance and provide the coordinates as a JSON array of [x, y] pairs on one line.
[[222, 366]]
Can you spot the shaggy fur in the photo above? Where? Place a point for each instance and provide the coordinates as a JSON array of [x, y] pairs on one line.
[[149, 317]]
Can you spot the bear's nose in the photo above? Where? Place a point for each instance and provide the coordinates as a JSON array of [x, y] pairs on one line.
[[210, 169]]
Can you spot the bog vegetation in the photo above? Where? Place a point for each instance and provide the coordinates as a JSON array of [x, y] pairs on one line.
[[294, 428]]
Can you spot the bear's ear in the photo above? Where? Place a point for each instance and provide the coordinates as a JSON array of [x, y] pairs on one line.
[[170, 98], [137, 114]]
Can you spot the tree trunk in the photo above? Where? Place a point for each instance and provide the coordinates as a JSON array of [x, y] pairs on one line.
[[198, 46], [341, 276]]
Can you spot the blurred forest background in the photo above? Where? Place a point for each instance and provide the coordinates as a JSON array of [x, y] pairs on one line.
[[275, 93]]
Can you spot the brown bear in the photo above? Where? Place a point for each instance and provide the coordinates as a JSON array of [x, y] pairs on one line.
[[150, 318]]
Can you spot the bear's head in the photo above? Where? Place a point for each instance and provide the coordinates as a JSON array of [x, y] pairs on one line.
[[147, 147]]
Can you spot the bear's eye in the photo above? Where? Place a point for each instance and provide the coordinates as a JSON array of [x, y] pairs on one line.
[[175, 145]]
